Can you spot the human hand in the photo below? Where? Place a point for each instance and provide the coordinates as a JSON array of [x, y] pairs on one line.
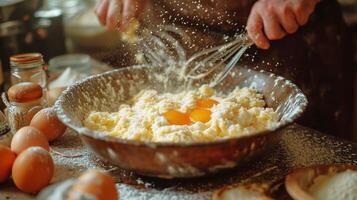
[[117, 14], [274, 19]]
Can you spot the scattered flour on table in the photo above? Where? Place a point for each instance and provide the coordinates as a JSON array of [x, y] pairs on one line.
[[71, 144], [303, 148], [130, 193]]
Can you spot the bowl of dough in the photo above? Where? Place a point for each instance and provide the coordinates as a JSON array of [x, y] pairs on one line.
[[156, 122]]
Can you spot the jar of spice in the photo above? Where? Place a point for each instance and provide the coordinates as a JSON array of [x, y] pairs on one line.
[[28, 67], [24, 101]]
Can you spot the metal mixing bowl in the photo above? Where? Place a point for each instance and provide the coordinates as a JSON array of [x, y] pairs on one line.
[[105, 92]]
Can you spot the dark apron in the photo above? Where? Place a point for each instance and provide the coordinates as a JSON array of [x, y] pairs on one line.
[[318, 58]]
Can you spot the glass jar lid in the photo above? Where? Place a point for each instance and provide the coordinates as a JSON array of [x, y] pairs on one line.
[[25, 59]]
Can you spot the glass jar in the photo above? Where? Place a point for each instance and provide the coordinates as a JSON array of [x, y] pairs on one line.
[[79, 63], [20, 114], [23, 101], [28, 67]]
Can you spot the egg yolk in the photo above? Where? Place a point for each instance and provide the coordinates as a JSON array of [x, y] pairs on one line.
[[177, 118], [200, 115], [206, 103]]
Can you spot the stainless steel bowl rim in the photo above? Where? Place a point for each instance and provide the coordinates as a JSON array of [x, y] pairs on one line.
[[100, 136]]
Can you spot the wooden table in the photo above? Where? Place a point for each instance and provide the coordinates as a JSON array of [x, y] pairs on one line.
[[295, 146]]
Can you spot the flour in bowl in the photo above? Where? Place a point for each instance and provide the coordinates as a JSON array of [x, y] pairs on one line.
[[189, 116]]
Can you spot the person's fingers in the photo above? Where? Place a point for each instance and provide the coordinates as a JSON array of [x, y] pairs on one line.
[[302, 11], [131, 9], [113, 15], [128, 14], [101, 11], [139, 7], [287, 19], [255, 30], [97, 4], [272, 28]]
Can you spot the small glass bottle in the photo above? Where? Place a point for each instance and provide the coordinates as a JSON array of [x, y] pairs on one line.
[[28, 67], [24, 101]]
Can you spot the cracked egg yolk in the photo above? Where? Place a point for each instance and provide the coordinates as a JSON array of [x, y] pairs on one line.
[[206, 103], [177, 118], [199, 114]]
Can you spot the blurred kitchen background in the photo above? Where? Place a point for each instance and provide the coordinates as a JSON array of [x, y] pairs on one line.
[[59, 27], [53, 28]]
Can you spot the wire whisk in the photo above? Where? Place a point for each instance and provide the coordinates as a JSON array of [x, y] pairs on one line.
[[161, 48], [205, 62]]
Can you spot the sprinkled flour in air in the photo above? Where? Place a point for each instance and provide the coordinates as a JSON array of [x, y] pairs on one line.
[[145, 117], [335, 187]]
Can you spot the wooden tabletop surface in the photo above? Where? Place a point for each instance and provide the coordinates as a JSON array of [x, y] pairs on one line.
[[295, 146]]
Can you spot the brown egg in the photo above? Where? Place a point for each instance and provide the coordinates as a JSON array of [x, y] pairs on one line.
[[32, 112], [24, 92], [53, 94], [48, 123], [28, 137], [7, 158], [93, 183], [32, 169]]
